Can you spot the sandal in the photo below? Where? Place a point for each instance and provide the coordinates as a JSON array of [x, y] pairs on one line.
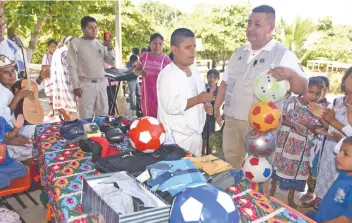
[[316, 205], [307, 197]]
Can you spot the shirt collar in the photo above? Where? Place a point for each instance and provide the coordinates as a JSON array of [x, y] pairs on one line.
[[268, 47]]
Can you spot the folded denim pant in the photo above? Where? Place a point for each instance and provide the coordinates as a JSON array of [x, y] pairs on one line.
[[14, 170]]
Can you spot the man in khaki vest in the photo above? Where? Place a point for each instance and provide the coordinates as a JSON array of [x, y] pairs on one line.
[[260, 54]]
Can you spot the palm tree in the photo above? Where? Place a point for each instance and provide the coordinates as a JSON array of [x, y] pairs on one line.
[[296, 36]]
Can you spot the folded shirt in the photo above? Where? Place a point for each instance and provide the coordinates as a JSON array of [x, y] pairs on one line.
[[210, 164]]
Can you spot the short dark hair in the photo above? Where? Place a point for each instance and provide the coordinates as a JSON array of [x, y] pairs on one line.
[[214, 72], [347, 74], [135, 51], [171, 56], [133, 58], [155, 36], [85, 20], [270, 11], [52, 42], [326, 81], [179, 35], [143, 50], [348, 140], [316, 81]]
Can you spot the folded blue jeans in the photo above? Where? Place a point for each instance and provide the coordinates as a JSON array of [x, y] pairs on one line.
[[9, 172]]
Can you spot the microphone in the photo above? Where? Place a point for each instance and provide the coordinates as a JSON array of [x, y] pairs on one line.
[[255, 63]]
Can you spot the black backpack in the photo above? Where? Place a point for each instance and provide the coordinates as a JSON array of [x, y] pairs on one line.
[[136, 162]]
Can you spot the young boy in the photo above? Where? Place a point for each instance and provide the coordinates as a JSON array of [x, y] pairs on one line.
[[181, 94], [131, 65], [336, 207], [213, 77]]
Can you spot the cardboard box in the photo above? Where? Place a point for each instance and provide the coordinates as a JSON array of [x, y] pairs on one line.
[[93, 204]]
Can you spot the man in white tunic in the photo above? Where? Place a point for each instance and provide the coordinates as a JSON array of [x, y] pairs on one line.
[[181, 95], [18, 146]]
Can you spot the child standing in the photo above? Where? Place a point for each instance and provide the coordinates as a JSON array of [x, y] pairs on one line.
[[336, 207], [131, 66], [181, 95], [213, 77], [46, 62], [308, 199], [294, 141]]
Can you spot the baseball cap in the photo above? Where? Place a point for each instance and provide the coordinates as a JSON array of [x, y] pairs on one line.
[[5, 61]]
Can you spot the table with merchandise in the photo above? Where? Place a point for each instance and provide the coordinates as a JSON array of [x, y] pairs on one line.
[[63, 166]]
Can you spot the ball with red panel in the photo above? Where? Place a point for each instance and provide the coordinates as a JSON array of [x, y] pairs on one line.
[[264, 117], [147, 134]]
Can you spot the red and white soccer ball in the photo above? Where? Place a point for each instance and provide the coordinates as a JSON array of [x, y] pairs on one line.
[[257, 169], [146, 134]]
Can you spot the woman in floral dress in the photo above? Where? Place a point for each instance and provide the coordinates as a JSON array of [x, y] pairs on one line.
[[294, 141], [151, 63]]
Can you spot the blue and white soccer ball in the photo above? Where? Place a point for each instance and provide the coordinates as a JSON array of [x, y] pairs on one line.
[[203, 203]]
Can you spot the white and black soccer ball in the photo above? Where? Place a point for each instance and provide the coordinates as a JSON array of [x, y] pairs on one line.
[[203, 203]]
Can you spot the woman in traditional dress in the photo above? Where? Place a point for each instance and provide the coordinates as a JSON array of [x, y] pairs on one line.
[[63, 98], [151, 63], [46, 62]]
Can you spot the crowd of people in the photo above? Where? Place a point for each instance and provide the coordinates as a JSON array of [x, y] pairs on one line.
[[313, 143]]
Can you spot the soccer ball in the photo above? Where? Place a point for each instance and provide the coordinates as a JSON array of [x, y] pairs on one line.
[[260, 143], [257, 169], [146, 134], [264, 116], [203, 203], [267, 89]]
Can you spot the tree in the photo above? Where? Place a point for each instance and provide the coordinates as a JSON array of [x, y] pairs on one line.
[[136, 29], [160, 14], [38, 22], [325, 24], [163, 18], [335, 48], [27, 18], [295, 35], [221, 29], [2, 6]]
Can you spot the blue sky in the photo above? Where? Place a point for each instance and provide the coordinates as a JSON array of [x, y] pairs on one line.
[[338, 10]]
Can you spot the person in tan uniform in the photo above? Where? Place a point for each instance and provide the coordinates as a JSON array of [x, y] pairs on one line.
[[86, 57]]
